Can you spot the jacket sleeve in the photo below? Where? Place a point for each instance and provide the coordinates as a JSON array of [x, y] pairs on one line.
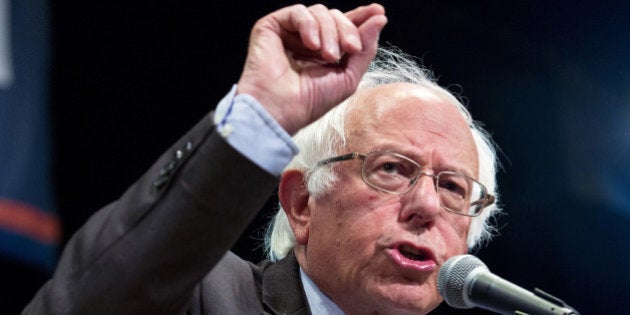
[[145, 253]]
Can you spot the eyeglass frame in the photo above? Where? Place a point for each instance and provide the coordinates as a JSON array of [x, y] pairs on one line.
[[486, 200]]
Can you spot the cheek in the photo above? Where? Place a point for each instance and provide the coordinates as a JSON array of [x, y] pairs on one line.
[[351, 223], [454, 231], [350, 204], [347, 217]]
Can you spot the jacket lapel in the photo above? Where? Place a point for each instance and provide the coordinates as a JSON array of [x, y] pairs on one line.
[[282, 289]]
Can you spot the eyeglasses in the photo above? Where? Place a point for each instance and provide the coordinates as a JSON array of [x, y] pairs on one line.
[[394, 173]]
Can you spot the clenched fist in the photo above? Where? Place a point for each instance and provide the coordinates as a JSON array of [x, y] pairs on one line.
[[302, 61]]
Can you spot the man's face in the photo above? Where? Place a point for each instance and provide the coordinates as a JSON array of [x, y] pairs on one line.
[[374, 252]]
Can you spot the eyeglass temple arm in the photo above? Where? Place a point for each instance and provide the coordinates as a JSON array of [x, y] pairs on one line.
[[486, 201], [345, 157]]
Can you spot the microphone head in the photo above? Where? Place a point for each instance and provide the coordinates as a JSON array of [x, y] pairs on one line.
[[452, 276]]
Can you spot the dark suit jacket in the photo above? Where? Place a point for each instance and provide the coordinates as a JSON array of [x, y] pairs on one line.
[[162, 248]]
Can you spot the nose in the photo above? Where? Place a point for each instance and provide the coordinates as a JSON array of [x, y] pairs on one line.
[[421, 205]]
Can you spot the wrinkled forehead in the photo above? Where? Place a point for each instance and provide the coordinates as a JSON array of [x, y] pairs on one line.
[[412, 114]]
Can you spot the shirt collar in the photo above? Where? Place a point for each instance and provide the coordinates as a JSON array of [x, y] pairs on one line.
[[318, 302]]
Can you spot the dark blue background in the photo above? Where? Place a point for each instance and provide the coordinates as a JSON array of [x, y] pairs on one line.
[[550, 80]]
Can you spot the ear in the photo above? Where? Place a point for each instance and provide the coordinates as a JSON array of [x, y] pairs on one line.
[[293, 197]]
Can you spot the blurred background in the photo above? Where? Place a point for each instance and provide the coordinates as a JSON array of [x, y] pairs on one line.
[[92, 92]]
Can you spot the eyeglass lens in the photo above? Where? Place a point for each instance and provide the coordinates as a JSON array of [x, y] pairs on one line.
[[397, 174]]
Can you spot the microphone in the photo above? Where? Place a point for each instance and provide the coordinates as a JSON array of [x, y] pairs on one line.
[[464, 281]]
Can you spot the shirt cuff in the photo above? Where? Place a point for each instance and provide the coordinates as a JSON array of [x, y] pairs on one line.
[[249, 128]]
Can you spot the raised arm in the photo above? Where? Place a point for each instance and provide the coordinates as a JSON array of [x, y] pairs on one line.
[[146, 252]]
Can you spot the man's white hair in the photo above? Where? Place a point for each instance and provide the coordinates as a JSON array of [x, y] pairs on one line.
[[326, 137]]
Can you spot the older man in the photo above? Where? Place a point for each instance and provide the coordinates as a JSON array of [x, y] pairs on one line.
[[386, 187]]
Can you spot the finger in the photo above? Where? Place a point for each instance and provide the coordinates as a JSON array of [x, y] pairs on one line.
[[328, 34], [298, 19], [348, 34], [361, 14], [369, 31]]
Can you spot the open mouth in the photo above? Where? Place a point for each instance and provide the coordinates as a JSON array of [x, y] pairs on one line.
[[412, 253], [411, 257]]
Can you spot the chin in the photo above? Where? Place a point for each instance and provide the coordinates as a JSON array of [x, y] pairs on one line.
[[407, 299]]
